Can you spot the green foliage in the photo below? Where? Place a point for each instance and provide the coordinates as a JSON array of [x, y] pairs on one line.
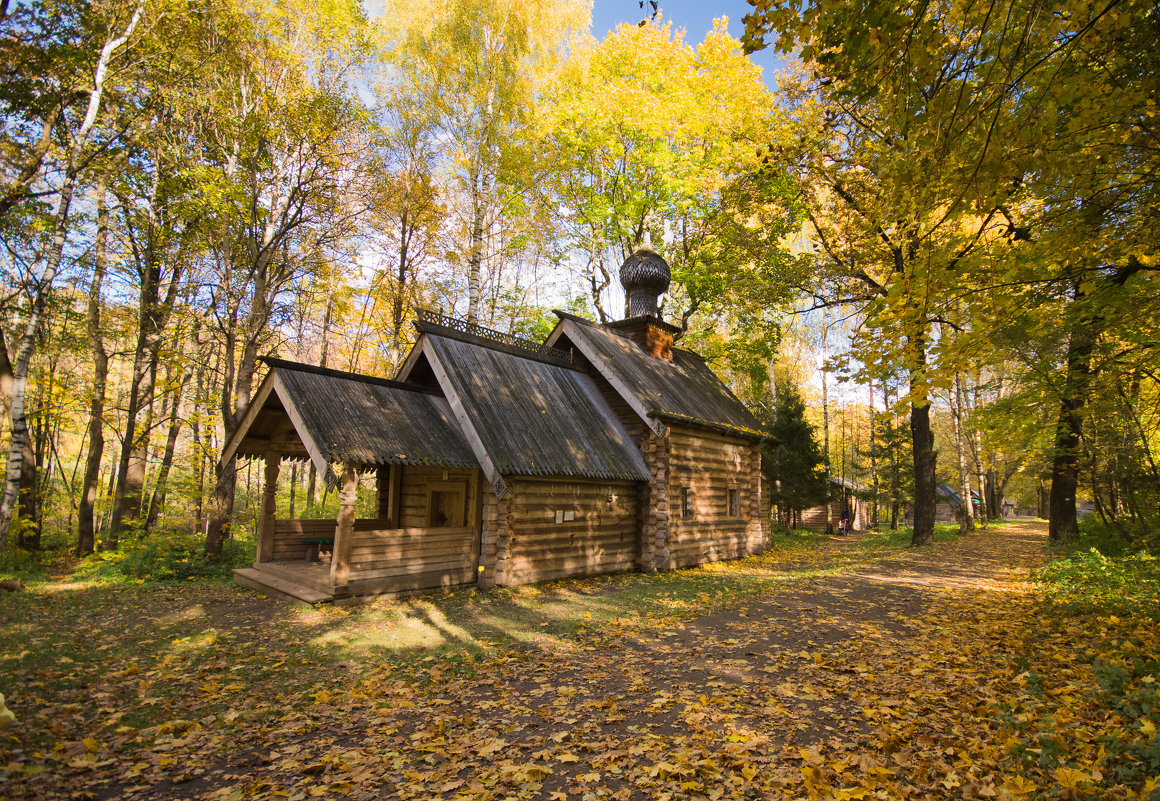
[[901, 538], [166, 555], [1117, 600], [1130, 686], [1089, 581], [14, 560], [1106, 537], [796, 467]]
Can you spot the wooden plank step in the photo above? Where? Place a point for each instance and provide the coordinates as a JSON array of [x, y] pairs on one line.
[[276, 587]]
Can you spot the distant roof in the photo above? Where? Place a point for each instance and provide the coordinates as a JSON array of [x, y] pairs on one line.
[[949, 494], [848, 483], [683, 390], [363, 420], [534, 416]]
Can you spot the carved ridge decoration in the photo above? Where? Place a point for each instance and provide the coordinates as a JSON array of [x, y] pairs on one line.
[[476, 330]]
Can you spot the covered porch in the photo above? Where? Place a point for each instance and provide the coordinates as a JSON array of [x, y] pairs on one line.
[[423, 530]]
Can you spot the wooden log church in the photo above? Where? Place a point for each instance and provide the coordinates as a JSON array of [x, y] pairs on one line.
[[503, 461]]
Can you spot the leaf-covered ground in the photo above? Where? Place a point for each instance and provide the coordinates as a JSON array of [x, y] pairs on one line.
[[830, 668]]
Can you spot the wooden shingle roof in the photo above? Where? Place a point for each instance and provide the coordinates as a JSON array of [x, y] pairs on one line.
[[531, 416], [357, 419], [683, 390]]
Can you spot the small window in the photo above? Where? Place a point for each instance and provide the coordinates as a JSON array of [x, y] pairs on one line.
[[686, 503], [735, 503], [565, 515]]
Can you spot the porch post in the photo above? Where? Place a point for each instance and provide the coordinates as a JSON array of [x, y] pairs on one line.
[[344, 531], [269, 507]]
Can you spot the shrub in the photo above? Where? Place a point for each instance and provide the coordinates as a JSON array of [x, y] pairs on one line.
[[167, 555], [1090, 581]]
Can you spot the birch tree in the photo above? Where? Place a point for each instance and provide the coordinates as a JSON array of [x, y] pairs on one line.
[[282, 139], [79, 133], [480, 65]]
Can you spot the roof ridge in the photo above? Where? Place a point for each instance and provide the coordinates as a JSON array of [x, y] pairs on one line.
[[361, 378], [430, 322]]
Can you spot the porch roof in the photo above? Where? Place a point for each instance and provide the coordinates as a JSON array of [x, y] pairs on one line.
[[334, 417]]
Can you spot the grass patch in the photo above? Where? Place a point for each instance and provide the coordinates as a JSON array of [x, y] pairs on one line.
[[1105, 608], [1090, 582], [900, 538]]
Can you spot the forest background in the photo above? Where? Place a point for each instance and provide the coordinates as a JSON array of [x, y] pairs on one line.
[[939, 231]]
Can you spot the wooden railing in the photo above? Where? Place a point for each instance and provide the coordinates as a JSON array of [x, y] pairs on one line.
[[382, 553], [384, 559]]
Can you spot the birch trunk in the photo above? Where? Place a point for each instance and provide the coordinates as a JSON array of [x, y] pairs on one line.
[[967, 519]]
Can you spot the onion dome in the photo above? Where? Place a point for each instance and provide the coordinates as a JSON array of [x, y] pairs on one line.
[[644, 276]]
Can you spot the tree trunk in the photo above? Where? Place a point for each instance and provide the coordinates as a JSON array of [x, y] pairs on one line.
[[826, 430], [873, 463], [993, 497], [1061, 521], [967, 519], [157, 298], [293, 490], [401, 278], [28, 498], [5, 381], [925, 456], [475, 257], [127, 496], [895, 476], [19, 440], [311, 489], [27, 342], [221, 506], [86, 528], [160, 484]]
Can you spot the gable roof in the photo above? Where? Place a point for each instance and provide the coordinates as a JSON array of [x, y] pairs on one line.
[[947, 494], [357, 419], [527, 415], [684, 390]]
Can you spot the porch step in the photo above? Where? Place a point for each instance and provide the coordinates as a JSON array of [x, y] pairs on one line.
[[276, 587]]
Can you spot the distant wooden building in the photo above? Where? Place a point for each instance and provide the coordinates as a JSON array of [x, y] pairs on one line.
[[502, 461], [948, 506], [845, 499]]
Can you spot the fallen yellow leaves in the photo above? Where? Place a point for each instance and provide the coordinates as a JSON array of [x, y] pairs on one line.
[[849, 687]]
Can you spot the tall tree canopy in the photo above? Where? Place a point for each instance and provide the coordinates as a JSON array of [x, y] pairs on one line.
[[945, 133]]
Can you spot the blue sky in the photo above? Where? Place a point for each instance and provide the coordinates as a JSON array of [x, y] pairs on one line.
[[695, 17]]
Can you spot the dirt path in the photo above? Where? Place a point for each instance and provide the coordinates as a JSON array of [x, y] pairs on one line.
[[882, 681]]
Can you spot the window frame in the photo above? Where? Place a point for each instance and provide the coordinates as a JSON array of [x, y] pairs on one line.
[[733, 503]]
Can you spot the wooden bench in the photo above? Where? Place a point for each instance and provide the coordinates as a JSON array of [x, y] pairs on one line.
[[313, 544]]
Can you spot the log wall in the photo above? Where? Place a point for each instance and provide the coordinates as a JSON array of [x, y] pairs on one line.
[[814, 518], [710, 466], [415, 485], [495, 537], [766, 507], [602, 537], [655, 505]]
